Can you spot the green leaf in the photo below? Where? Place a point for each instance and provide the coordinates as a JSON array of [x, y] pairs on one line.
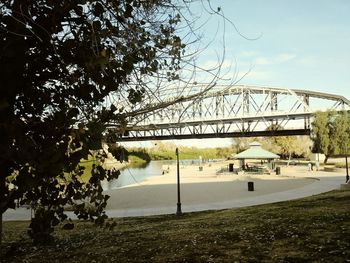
[[68, 226], [128, 11]]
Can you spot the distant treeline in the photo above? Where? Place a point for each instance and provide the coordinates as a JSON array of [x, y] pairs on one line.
[[166, 151], [141, 153], [185, 153], [286, 147]]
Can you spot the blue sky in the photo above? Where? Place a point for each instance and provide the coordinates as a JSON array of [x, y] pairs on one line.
[[301, 44]]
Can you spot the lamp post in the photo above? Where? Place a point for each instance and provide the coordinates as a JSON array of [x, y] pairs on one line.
[[347, 169], [346, 162], [178, 210]]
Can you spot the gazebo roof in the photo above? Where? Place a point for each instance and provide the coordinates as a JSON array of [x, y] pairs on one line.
[[256, 152]]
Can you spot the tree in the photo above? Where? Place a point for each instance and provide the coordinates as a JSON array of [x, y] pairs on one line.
[[293, 145], [287, 146], [302, 146], [68, 68], [224, 152], [339, 132], [241, 144], [330, 133], [321, 133]]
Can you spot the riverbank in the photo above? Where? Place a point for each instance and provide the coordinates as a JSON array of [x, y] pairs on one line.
[[206, 190], [211, 172]]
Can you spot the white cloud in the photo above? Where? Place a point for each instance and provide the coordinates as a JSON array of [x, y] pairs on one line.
[[255, 75], [264, 61], [250, 53], [214, 64], [285, 57], [281, 58], [249, 71], [308, 61], [231, 64]]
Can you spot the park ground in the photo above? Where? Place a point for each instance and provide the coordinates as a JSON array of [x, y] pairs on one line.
[[312, 229]]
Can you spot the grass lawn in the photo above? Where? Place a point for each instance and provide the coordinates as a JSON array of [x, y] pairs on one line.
[[314, 229]]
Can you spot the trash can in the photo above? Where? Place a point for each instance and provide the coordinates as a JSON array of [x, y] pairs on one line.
[[230, 167], [250, 186], [200, 168], [278, 170]]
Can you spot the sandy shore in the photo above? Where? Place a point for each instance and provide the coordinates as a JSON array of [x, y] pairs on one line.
[[205, 190], [203, 187]]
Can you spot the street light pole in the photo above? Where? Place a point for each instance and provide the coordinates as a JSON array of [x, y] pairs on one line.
[[346, 162], [347, 169], [178, 210]]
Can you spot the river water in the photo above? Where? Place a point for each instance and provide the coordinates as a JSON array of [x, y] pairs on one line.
[[135, 175]]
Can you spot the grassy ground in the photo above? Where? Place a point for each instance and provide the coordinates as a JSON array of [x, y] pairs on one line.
[[314, 229]]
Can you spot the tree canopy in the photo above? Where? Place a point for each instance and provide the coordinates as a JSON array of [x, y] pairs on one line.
[[67, 69], [330, 133], [285, 146]]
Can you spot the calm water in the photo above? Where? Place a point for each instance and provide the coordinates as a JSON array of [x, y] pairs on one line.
[[134, 175]]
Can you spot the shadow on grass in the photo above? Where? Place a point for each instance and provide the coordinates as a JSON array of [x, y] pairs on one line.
[[313, 229]]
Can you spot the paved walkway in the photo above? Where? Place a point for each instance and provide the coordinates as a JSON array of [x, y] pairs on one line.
[[321, 182]]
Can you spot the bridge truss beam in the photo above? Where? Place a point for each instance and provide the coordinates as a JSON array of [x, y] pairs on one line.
[[233, 111]]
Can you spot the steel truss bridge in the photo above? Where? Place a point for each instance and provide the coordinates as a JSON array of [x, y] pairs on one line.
[[231, 111]]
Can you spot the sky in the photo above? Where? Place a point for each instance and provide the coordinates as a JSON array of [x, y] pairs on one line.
[[299, 44]]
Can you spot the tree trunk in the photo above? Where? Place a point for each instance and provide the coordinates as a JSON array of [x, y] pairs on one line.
[[326, 159], [3, 202], [2, 197], [289, 157], [0, 229]]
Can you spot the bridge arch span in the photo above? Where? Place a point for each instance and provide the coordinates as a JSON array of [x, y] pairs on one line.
[[231, 111]]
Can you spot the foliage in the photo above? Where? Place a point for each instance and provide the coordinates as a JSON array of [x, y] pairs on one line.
[[330, 133], [63, 63], [166, 151], [287, 146], [224, 152], [162, 151], [195, 153], [241, 144], [302, 146], [313, 229], [340, 137], [321, 132], [141, 153]]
